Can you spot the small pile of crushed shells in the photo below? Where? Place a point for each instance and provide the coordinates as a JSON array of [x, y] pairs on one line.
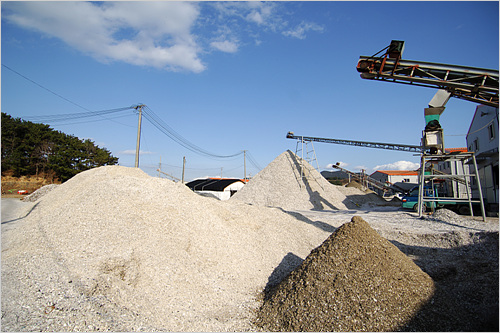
[[39, 193], [447, 215], [354, 281]]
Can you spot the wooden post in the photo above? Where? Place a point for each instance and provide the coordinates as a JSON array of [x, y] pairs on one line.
[[183, 167], [139, 107]]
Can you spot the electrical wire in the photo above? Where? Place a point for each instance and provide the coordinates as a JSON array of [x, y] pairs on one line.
[[251, 159], [56, 94], [172, 134], [488, 124], [47, 89], [147, 112], [156, 121], [54, 118], [188, 168], [106, 118]]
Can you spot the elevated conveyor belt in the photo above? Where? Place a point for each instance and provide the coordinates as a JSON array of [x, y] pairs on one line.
[[373, 182], [469, 83], [379, 145]]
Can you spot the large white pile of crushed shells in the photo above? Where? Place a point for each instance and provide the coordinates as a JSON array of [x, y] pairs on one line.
[[113, 249], [292, 183]]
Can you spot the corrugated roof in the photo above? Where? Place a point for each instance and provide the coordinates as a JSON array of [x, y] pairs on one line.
[[211, 184]]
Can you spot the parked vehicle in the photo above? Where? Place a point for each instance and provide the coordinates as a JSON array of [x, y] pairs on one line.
[[410, 201]]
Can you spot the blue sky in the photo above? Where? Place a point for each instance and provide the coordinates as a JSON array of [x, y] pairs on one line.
[[228, 77]]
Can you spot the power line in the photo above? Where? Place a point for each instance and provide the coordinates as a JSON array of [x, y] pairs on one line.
[[95, 120], [54, 118], [171, 133], [148, 114], [251, 159], [47, 89], [54, 93]]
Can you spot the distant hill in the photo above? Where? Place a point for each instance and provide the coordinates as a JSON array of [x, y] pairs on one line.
[[334, 174]]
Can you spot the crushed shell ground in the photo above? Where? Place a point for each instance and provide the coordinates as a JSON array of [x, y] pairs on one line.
[[114, 249]]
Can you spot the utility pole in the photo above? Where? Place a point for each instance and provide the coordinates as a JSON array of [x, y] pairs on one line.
[[245, 163], [139, 108], [183, 167], [159, 169]]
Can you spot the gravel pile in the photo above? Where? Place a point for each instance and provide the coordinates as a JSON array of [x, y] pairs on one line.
[[40, 193], [460, 254], [354, 281], [280, 184], [115, 249], [449, 216]]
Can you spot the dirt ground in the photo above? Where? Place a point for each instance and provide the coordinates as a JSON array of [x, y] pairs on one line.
[[455, 251], [116, 250], [10, 184]]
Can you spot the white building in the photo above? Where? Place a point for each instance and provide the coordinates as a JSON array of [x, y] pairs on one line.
[[404, 179], [482, 139], [220, 188]]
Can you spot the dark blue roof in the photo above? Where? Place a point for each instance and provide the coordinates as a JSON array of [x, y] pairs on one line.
[[211, 184]]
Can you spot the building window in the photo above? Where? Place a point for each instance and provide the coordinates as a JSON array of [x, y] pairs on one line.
[[491, 131], [475, 144]]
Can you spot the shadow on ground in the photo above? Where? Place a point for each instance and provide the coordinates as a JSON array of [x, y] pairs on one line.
[[318, 224], [466, 279], [285, 267], [467, 288]]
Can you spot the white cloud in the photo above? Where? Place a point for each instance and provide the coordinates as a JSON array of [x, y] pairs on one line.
[[261, 13], [301, 30], [251, 11], [225, 46], [359, 168], [161, 34], [256, 17], [155, 34], [399, 165], [340, 164], [132, 152], [267, 16]]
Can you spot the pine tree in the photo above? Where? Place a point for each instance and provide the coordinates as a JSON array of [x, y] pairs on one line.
[[31, 149]]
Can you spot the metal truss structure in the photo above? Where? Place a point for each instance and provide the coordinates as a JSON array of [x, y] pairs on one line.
[[462, 159], [379, 145], [469, 83]]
